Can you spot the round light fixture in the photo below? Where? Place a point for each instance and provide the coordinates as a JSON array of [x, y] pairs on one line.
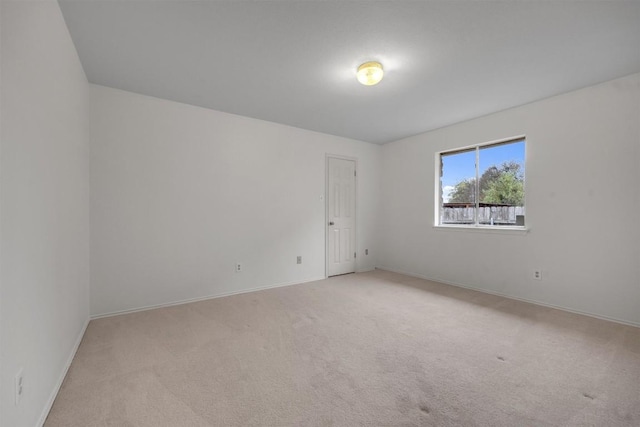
[[370, 73]]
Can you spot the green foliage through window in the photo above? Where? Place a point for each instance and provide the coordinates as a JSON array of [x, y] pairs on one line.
[[483, 185], [502, 184]]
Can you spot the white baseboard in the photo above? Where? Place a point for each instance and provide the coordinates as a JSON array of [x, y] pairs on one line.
[[204, 298], [500, 294], [56, 388]]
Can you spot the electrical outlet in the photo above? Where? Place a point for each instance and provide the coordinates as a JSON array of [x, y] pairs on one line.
[[537, 274], [19, 386], [366, 251], [238, 267], [299, 260]]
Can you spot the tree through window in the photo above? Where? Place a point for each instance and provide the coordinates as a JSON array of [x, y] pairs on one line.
[[483, 185]]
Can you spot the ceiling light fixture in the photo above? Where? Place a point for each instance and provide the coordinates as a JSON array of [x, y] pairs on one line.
[[370, 73]]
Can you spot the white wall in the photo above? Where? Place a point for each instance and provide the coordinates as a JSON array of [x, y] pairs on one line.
[[44, 187], [583, 151], [179, 194]]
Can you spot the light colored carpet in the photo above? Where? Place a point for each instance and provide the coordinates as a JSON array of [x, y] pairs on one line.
[[371, 349]]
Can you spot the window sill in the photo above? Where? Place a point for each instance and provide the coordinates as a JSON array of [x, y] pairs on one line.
[[491, 229]]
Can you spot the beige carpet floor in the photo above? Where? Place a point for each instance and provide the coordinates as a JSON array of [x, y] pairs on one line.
[[371, 349]]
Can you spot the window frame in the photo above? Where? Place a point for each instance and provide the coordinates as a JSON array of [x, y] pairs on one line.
[[438, 188]]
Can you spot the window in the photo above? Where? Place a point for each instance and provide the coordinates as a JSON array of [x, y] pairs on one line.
[[482, 185]]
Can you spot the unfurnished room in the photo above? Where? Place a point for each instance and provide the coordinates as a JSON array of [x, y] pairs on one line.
[[319, 213]]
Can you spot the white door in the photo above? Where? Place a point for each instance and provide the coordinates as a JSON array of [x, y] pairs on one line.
[[341, 218]]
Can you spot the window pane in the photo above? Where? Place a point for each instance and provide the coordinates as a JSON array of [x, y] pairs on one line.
[[501, 172], [458, 187]]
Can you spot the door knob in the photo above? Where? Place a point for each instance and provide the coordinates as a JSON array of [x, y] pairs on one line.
[[330, 222]]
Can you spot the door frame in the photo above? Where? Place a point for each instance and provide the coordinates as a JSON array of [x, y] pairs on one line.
[[326, 209]]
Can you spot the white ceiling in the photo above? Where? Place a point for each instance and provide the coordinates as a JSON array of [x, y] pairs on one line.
[[294, 62]]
